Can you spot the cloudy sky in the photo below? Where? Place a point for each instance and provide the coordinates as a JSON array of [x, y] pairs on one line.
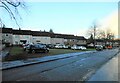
[[66, 17]]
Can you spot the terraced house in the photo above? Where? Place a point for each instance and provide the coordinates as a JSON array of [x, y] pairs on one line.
[[21, 36], [17, 37], [7, 35], [40, 37]]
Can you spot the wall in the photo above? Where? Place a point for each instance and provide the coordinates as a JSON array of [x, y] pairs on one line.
[[7, 37], [82, 42], [57, 40], [17, 38], [70, 42], [41, 39]]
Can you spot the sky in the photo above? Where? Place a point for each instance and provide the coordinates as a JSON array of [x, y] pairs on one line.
[[62, 17]]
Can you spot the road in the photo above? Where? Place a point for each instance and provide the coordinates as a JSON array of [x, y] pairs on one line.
[[76, 68]]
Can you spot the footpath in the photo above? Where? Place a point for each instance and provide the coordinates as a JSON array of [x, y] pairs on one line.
[[109, 71]]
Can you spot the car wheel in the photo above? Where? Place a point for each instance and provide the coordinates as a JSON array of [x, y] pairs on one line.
[[24, 49], [33, 51], [46, 51]]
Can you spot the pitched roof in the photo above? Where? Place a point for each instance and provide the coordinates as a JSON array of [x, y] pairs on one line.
[[80, 38], [39, 33], [21, 32], [6, 30]]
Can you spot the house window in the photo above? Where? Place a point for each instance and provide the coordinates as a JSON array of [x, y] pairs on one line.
[[65, 40], [34, 38], [16, 36], [16, 42], [6, 34], [27, 36], [37, 41]]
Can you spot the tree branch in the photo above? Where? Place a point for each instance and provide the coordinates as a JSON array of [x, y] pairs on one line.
[[8, 4], [10, 12], [12, 3]]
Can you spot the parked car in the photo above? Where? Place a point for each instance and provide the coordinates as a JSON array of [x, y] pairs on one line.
[[50, 46], [99, 47], [83, 48], [25, 46], [109, 47], [64, 46], [37, 48], [69, 46], [61, 46], [75, 47]]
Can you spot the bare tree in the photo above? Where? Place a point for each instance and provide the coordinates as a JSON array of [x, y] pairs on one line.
[[101, 34], [11, 7], [109, 35], [93, 30]]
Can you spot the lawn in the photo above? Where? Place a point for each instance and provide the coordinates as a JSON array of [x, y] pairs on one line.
[[17, 53], [62, 51], [16, 50]]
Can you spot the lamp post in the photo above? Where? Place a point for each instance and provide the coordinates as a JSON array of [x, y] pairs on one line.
[[94, 35]]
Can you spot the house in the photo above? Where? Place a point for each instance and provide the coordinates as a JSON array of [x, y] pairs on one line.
[[72, 40], [100, 42], [21, 37], [56, 39], [81, 40], [41, 37], [17, 37], [114, 43], [106, 42], [7, 35]]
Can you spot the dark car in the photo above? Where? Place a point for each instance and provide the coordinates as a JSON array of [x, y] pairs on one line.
[[37, 48], [99, 47], [50, 45]]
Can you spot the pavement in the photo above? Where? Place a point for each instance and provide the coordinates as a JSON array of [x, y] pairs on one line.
[[21, 63], [109, 71]]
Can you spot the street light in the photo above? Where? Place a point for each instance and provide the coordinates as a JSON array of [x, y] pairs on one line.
[[94, 35]]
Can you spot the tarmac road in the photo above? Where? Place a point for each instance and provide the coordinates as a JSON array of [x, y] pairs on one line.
[[77, 68]]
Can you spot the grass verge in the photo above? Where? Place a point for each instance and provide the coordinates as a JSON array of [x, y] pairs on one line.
[[16, 50], [17, 53]]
